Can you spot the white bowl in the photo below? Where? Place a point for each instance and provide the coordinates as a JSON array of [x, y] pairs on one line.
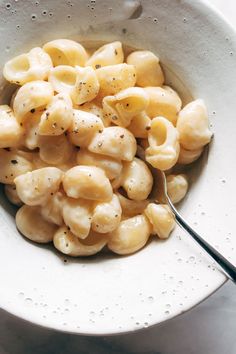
[[110, 294]]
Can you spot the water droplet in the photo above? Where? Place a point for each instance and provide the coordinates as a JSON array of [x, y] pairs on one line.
[[44, 12], [168, 306], [69, 17], [146, 324], [155, 20], [92, 313], [223, 181], [180, 282], [184, 20], [36, 3], [150, 298], [150, 314], [33, 17], [203, 213], [179, 260], [7, 48], [181, 304], [50, 14], [191, 258], [167, 312], [176, 252], [44, 316], [137, 323], [36, 304], [8, 6], [131, 317], [28, 301], [64, 324], [21, 295], [67, 310]]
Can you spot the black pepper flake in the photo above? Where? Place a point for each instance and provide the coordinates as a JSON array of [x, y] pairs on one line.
[[7, 149], [62, 128], [54, 125], [122, 136], [127, 104], [148, 128], [8, 112], [11, 174], [65, 260], [68, 227], [116, 216], [21, 124], [113, 79], [51, 193], [65, 232], [66, 134], [32, 110], [99, 144], [97, 66], [100, 131], [78, 147], [18, 82], [124, 30], [14, 162], [116, 53], [114, 118]]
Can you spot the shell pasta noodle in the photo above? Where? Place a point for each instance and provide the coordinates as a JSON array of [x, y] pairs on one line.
[[70, 140]]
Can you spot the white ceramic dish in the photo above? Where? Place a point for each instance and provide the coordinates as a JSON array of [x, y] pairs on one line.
[[109, 294]]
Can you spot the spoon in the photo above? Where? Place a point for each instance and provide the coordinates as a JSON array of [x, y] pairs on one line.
[[159, 193]]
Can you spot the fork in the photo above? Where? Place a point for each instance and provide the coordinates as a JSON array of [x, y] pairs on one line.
[[159, 193]]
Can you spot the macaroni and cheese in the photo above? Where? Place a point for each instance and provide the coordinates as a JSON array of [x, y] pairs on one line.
[[69, 139]]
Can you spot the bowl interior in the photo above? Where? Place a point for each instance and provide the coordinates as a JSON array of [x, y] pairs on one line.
[[108, 294]]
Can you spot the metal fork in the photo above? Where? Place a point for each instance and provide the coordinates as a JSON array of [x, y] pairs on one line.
[[159, 193]]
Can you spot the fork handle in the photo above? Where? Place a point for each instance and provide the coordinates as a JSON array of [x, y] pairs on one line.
[[228, 268]]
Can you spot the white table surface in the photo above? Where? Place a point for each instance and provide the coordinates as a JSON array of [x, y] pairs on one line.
[[207, 329]]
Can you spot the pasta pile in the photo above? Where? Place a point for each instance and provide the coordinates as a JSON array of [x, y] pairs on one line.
[[68, 146]]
